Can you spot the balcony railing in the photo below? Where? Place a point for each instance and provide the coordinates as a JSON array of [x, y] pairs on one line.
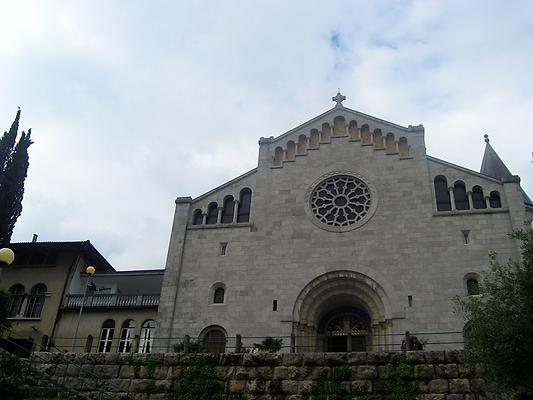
[[113, 300]]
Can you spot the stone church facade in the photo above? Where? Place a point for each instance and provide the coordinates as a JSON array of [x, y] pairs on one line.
[[347, 234]]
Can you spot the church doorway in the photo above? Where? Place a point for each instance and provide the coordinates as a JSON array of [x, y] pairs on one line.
[[345, 329], [342, 311], [213, 340]]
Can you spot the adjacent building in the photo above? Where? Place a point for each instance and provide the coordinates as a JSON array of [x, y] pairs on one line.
[[47, 283]]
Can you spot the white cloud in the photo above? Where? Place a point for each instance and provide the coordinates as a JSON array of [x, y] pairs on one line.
[[133, 104]]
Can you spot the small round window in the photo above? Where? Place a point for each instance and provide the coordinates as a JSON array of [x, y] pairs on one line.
[[341, 202]]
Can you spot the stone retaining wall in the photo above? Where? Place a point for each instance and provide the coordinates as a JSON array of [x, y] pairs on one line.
[[440, 374]]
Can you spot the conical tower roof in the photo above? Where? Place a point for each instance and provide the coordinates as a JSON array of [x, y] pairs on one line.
[[492, 165]]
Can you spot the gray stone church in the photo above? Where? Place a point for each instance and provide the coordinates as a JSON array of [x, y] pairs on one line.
[[346, 234]]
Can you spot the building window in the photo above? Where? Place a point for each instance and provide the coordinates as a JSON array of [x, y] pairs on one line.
[[442, 195], [106, 336], [218, 296], [472, 287], [127, 333], [228, 210], [17, 299], [223, 248], [466, 236], [36, 301], [459, 194], [245, 201], [212, 213], [478, 199], [147, 335], [494, 200], [198, 217], [341, 200]]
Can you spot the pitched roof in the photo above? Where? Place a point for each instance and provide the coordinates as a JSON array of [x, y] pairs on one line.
[[82, 247]]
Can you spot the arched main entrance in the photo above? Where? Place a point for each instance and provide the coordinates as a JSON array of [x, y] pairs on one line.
[[345, 329], [342, 311]]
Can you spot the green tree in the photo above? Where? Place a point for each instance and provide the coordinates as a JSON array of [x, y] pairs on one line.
[[500, 321], [13, 170]]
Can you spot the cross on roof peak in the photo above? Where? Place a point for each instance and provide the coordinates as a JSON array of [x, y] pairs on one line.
[[339, 98]]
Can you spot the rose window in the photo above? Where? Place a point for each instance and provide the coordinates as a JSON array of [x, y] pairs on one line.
[[340, 201]]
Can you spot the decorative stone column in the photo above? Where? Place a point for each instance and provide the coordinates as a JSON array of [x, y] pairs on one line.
[[452, 197], [235, 211]]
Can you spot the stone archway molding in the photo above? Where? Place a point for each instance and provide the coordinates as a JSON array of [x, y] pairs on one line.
[[368, 290]]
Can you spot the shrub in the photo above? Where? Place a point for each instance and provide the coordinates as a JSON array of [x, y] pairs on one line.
[[194, 347], [11, 376], [270, 345]]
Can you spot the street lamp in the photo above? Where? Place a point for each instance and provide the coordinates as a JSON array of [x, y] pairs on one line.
[[6, 258], [90, 272]]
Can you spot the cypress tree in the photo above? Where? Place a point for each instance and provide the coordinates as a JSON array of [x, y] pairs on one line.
[[14, 161]]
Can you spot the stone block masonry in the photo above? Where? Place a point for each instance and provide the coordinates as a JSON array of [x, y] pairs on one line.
[[440, 375]]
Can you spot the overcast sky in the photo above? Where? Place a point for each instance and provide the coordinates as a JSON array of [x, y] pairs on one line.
[[132, 103]]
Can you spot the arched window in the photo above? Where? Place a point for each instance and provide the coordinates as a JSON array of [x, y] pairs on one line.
[[127, 333], [147, 336], [314, 139], [377, 138], [478, 200], [365, 135], [352, 130], [106, 336], [403, 147], [36, 301], [472, 287], [218, 295], [278, 156], [339, 126], [390, 144], [245, 200], [494, 199], [17, 299], [228, 210], [212, 213], [441, 193], [214, 340], [198, 217], [291, 150], [326, 132], [302, 144], [459, 194]]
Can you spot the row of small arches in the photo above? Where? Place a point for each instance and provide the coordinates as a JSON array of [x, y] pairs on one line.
[[232, 211], [463, 200], [340, 129]]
